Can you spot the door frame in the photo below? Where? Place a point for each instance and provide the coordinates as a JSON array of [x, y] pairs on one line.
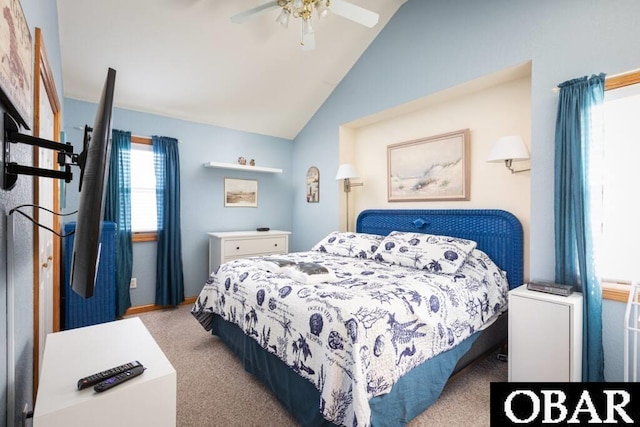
[[44, 75]]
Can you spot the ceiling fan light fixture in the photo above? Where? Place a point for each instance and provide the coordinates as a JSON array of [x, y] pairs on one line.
[[322, 7], [283, 18], [305, 10], [307, 27]]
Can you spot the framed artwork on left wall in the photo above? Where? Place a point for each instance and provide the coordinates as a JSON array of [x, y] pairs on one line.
[[16, 63]]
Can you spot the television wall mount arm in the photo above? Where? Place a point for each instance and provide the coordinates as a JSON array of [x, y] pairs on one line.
[[11, 170]]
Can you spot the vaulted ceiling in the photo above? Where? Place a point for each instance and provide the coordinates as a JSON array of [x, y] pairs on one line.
[[186, 59]]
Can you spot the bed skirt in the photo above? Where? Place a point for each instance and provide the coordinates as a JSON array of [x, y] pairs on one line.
[[409, 397]]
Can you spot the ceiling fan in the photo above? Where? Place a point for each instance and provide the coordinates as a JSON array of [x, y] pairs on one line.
[[304, 10]]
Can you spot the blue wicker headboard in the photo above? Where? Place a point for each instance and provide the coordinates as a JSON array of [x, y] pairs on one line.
[[497, 232]]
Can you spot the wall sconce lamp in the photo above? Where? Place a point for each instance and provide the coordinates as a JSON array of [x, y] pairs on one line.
[[347, 172], [509, 149]]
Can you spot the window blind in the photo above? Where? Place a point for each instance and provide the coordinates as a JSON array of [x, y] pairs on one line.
[[617, 255], [143, 189]]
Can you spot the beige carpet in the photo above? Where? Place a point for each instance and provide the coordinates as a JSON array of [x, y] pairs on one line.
[[214, 389]]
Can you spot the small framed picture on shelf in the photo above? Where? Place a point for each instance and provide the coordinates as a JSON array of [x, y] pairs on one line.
[[240, 193]]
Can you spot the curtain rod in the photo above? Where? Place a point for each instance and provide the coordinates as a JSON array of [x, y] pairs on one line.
[[148, 137], [609, 78], [132, 135]]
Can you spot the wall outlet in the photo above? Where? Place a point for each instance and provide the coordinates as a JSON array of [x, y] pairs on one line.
[[134, 283]]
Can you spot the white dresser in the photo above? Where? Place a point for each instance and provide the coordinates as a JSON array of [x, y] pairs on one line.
[[228, 245], [146, 400], [545, 336]]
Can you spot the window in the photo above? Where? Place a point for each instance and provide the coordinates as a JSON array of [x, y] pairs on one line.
[[143, 191], [617, 258]]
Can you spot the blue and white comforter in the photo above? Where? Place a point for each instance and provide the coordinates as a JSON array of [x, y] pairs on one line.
[[355, 337]]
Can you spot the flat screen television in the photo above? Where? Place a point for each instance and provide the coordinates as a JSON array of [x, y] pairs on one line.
[[94, 174]]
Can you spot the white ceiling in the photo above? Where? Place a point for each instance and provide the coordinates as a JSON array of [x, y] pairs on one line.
[[185, 59]]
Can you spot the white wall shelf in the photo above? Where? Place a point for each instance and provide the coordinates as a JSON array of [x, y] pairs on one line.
[[235, 166]]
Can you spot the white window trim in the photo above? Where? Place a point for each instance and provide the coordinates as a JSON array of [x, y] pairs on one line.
[[140, 236], [616, 291]]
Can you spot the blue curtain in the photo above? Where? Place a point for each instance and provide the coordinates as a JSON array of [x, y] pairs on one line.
[[118, 210], [169, 277], [575, 264]]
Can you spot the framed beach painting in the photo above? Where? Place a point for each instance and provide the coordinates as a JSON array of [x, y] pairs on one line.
[[242, 193], [433, 168]]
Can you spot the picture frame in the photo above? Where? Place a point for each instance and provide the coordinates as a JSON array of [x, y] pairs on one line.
[[16, 63], [313, 185], [241, 193], [427, 169]]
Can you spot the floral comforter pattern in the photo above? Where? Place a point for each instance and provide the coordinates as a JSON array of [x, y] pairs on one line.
[[355, 337]]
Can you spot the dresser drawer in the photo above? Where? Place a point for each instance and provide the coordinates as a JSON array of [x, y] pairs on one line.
[[228, 245], [247, 247]]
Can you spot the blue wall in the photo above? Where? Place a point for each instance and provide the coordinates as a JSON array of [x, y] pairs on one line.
[[42, 14], [429, 46], [201, 191]]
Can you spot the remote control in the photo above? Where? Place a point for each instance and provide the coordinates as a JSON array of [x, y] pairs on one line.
[[118, 379], [101, 376]]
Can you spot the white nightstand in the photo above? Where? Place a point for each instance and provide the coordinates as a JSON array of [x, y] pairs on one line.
[[146, 400], [545, 336], [228, 245]]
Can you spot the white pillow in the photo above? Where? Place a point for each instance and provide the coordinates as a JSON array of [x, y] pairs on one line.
[[355, 245], [432, 253]]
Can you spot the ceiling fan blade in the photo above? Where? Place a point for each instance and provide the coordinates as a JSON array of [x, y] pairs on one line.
[[355, 13], [243, 17]]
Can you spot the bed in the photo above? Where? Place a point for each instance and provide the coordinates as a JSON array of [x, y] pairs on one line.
[[374, 336]]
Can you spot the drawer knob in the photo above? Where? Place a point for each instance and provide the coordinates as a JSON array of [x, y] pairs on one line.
[[237, 247], [275, 244]]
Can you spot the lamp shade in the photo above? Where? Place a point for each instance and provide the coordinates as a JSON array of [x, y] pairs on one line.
[[509, 148], [347, 170]]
